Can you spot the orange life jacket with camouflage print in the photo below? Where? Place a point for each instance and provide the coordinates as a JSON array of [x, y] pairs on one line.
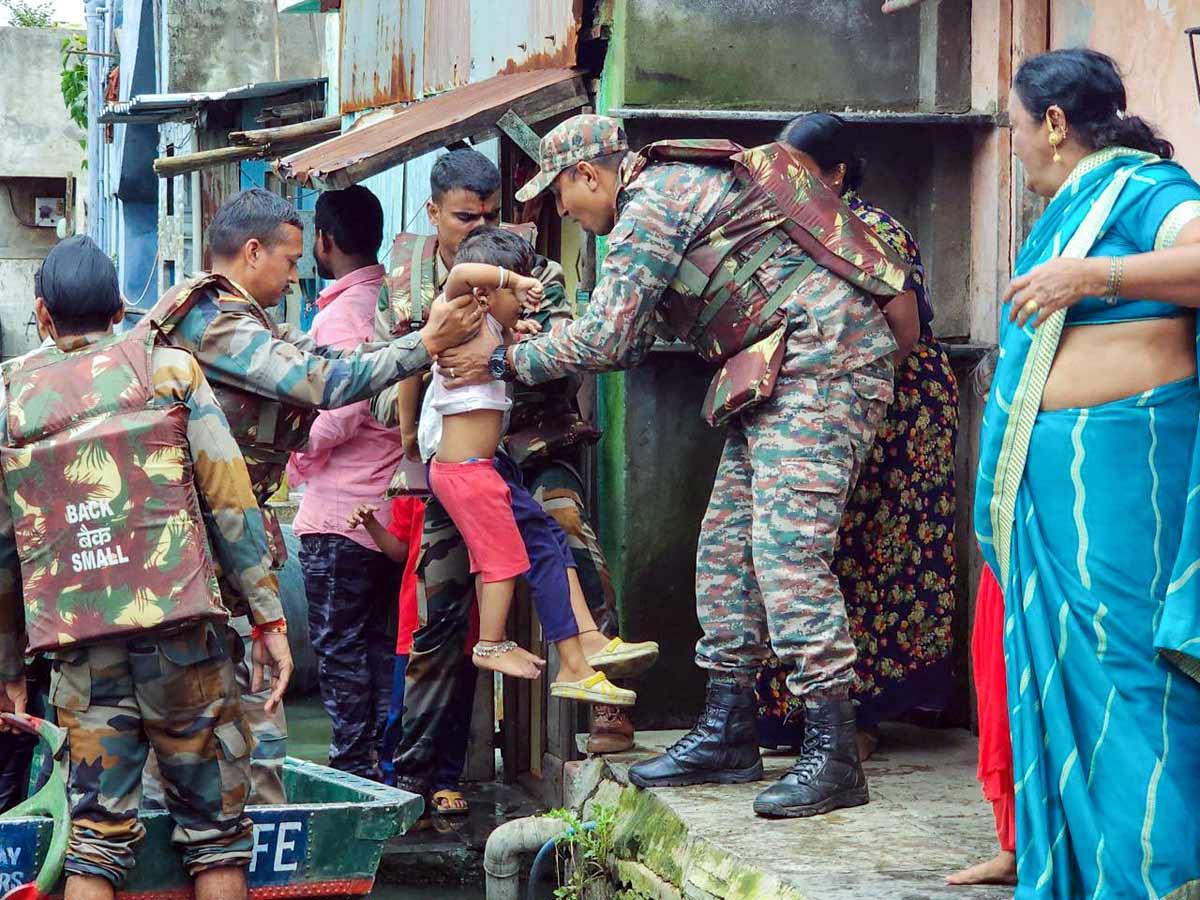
[[107, 522]]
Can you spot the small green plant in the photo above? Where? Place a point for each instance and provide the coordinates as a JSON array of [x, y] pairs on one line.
[[582, 854], [73, 83], [26, 14]]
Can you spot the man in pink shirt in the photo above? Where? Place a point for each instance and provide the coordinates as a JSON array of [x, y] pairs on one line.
[[351, 585]]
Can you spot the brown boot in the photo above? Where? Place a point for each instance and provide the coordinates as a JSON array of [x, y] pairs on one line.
[[612, 730]]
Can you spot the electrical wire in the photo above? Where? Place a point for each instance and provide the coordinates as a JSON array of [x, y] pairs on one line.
[[150, 279], [13, 206]]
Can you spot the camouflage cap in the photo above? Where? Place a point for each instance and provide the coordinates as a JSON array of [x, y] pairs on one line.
[[578, 139]]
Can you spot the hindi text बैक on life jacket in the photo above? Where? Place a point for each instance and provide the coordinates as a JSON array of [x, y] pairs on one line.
[[97, 550]]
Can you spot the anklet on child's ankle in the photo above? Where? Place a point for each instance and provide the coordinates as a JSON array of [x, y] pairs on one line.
[[489, 648]]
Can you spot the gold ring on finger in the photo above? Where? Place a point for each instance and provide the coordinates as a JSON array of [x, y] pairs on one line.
[[1032, 306]]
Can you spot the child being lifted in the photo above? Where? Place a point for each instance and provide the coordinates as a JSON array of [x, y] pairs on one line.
[[506, 531]]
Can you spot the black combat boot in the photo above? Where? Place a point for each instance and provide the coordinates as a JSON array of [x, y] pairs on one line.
[[722, 748], [827, 775]]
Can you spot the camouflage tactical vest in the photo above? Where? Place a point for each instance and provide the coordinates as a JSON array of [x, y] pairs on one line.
[[108, 526], [711, 303], [266, 430], [412, 273]]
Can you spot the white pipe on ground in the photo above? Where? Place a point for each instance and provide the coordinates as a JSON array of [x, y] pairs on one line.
[[894, 6], [502, 855]]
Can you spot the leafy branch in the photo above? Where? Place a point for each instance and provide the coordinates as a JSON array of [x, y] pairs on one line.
[[74, 83], [25, 14], [582, 854]]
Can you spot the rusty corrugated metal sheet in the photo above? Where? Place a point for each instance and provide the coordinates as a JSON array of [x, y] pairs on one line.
[[447, 50], [466, 112], [537, 34], [394, 51], [380, 52]]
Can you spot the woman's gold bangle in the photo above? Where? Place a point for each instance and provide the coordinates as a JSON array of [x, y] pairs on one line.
[[1116, 274]]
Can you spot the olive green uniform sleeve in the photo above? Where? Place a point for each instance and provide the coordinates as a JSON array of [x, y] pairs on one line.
[[236, 350]]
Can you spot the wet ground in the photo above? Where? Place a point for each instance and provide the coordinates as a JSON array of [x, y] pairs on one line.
[[925, 820], [426, 892], [444, 861]]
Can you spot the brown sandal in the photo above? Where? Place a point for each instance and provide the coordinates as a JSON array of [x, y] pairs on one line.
[[450, 803]]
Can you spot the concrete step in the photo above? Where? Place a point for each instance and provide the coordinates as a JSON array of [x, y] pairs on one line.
[[926, 819]]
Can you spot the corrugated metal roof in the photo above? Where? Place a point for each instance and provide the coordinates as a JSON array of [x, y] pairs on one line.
[[396, 51], [468, 112], [157, 108]]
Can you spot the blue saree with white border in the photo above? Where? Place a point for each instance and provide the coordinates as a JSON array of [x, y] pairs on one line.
[[1091, 519]]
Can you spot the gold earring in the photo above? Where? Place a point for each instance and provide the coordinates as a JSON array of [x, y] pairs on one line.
[[1056, 138]]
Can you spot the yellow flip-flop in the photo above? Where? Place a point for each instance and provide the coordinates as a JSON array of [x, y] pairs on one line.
[[450, 803], [594, 689], [622, 659]]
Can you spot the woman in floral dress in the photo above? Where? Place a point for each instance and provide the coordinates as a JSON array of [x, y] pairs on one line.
[[896, 548]]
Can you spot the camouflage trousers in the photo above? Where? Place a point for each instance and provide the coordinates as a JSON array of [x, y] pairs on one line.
[[176, 694], [268, 733], [268, 730], [440, 681], [764, 578]]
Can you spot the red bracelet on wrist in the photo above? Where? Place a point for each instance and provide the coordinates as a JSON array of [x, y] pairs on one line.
[[279, 626]]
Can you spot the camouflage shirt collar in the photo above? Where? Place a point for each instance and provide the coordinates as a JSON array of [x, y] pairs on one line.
[[242, 293], [73, 342]]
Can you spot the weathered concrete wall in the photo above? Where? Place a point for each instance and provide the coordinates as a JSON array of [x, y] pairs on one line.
[[219, 44], [758, 54], [17, 335], [1148, 43], [39, 149], [37, 137], [22, 249]]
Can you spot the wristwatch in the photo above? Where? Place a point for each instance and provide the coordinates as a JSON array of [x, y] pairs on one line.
[[498, 366]]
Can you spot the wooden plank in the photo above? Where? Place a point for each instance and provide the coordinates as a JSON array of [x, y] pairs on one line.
[[481, 750], [534, 108]]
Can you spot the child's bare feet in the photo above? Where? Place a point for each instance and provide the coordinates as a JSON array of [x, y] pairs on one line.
[[506, 658], [532, 657], [1000, 869]]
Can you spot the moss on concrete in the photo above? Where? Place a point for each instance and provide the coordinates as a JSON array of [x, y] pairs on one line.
[[657, 858]]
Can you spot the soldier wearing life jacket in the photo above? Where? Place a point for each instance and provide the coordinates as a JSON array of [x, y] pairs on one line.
[[123, 490], [545, 434], [750, 259], [271, 379]]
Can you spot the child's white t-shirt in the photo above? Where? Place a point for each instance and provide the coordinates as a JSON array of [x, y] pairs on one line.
[[443, 401]]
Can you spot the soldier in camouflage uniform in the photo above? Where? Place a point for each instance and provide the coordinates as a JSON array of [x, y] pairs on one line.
[[545, 433], [111, 447], [272, 380], [747, 257]]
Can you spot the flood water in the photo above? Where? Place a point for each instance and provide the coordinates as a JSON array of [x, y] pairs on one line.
[[430, 892], [308, 738]]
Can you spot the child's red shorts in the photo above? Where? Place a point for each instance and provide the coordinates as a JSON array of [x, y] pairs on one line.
[[478, 500]]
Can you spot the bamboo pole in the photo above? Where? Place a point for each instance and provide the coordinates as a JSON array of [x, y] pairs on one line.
[[262, 137], [171, 166]]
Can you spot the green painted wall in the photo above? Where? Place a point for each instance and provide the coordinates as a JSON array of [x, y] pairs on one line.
[[655, 465]]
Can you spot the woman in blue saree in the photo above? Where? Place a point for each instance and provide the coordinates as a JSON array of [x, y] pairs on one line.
[[1088, 496]]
